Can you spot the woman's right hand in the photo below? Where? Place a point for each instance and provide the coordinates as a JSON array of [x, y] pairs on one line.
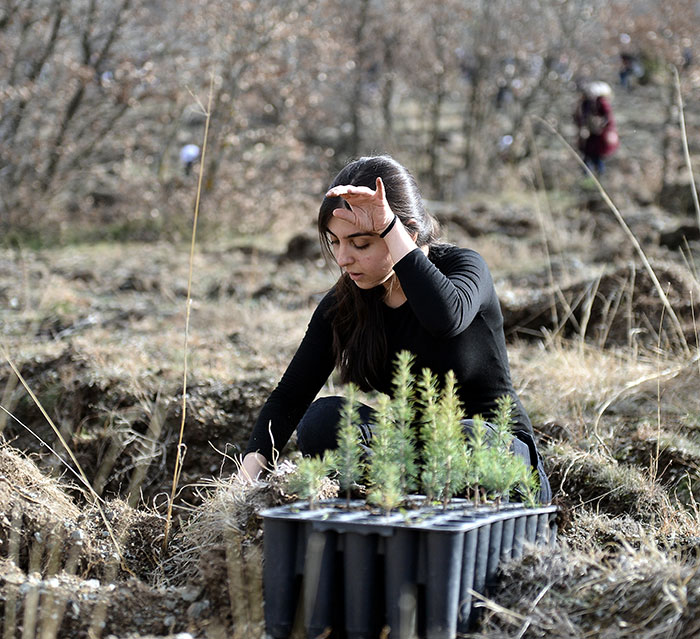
[[253, 464], [369, 210]]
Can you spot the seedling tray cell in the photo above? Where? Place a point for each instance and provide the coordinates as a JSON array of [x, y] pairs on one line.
[[357, 570]]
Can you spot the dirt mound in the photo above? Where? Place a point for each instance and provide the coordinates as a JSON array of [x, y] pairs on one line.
[[125, 436], [42, 526], [674, 453], [619, 308], [600, 483], [61, 571], [65, 605]]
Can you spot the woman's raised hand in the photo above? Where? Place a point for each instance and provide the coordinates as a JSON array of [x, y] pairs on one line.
[[369, 210]]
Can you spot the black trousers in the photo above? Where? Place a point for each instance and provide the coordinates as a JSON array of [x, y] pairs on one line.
[[317, 432]]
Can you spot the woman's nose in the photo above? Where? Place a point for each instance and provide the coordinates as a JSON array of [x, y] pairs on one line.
[[343, 256]]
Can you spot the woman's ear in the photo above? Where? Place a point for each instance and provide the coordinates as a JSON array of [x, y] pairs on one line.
[[411, 227]]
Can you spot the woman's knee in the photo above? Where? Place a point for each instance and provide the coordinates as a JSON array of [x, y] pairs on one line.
[[316, 431]]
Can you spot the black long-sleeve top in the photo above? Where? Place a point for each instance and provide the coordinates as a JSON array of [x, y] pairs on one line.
[[451, 321]]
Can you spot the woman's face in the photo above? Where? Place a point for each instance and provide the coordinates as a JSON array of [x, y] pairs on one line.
[[363, 256]]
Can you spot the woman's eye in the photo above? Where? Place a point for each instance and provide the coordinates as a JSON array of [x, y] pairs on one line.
[[361, 246]]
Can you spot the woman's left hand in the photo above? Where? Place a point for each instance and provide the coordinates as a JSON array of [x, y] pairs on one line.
[[369, 210]]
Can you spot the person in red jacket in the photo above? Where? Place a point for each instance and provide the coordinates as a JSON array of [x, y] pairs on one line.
[[597, 133]]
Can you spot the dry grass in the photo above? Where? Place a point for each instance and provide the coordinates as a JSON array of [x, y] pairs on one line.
[[566, 383], [563, 593]]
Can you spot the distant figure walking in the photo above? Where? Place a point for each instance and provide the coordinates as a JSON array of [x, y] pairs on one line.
[[597, 133], [630, 68], [188, 156]]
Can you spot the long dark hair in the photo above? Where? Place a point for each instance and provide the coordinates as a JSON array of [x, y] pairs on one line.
[[359, 339]]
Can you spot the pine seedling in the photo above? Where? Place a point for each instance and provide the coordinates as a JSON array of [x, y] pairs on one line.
[[384, 470], [529, 488], [403, 414], [432, 465], [504, 471], [444, 460], [451, 440], [503, 422], [388, 495], [477, 455], [349, 454], [307, 481]]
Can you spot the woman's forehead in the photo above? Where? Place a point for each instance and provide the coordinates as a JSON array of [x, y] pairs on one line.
[[344, 229]]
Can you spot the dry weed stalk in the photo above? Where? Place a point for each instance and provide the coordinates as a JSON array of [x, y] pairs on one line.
[[630, 235], [684, 137], [541, 221], [10, 620], [659, 375], [180, 444], [243, 567], [150, 442]]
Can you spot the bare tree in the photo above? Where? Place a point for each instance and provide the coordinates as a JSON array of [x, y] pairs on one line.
[[63, 96]]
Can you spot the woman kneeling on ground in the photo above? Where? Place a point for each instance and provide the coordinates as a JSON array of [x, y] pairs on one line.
[[400, 289]]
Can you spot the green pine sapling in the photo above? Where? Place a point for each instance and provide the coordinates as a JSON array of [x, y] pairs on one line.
[[307, 481], [502, 470], [384, 473], [432, 464], [477, 455], [349, 454], [444, 443], [403, 414], [451, 441], [529, 488]]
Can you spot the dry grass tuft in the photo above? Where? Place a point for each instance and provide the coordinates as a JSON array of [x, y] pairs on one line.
[[589, 530], [232, 507], [602, 484], [221, 543], [41, 499], [35, 514], [564, 593]]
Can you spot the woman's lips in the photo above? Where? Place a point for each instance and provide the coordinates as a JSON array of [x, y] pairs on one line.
[[354, 276]]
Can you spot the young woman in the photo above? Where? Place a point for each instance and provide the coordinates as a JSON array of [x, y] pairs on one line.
[[399, 290]]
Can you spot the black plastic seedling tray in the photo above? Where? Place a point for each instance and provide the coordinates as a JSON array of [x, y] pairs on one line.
[[355, 570]]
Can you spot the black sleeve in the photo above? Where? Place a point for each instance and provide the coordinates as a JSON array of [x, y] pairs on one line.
[[447, 299], [307, 372]]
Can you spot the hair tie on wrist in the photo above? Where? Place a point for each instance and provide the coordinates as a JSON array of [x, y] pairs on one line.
[[391, 226]]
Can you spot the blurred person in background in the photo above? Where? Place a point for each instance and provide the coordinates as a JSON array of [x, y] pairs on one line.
[[189, 154], [630, 69], [597, 134]]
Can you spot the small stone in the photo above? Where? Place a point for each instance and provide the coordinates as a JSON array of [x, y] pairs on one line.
[[196, 609], [191, 594]]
